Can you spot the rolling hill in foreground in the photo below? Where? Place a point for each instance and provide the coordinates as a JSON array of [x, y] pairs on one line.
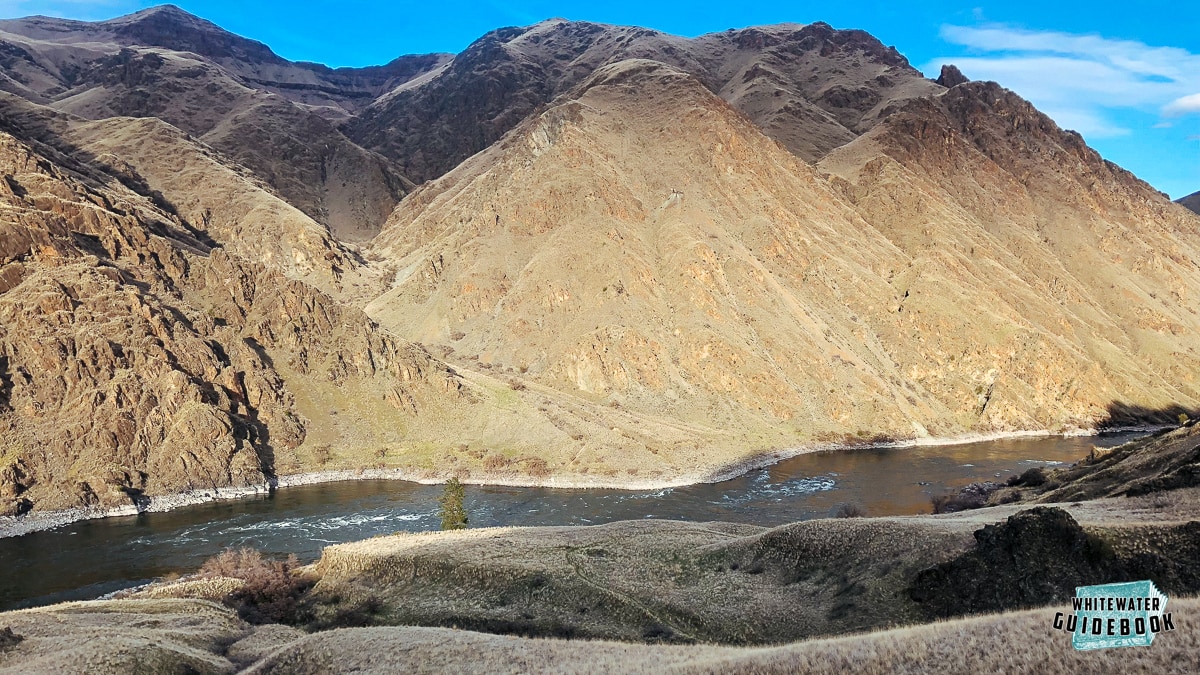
[[574, 254]]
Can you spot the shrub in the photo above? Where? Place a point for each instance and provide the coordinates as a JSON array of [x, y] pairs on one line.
[[1031, 478], [495, 462], [360, 614], [1012, 497], [323, 454], [272, 590], [1183, 419], [849, 510], [657, 632], [454, 510], [9, 639], [953, 503], [1161, 501], [973, 496], [536, 467]]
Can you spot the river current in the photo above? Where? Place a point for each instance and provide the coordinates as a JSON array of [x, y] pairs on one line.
[[87, 559]]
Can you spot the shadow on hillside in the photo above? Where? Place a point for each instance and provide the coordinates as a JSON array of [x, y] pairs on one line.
[[1118, 416], [1130, 415], [43, 131]]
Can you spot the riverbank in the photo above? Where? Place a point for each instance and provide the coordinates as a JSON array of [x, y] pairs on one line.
[[39, 521]]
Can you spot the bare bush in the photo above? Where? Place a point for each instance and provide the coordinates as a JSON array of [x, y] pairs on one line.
[[272, 590], [973, 496], [1031, 478], [323, 454], [1161, 501], [850, 510], [9, 639], [536, 467], [495, 462]]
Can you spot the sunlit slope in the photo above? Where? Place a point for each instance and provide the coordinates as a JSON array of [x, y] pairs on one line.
[[641, 244]]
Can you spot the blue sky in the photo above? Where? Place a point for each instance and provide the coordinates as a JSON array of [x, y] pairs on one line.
[[1125, 75]]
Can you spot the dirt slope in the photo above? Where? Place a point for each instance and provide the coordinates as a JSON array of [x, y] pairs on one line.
[[196, 636], [1083, 277], [1192, 202]]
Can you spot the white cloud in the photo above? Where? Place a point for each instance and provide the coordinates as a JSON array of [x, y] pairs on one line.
[[1183, 105], [1079, 80]]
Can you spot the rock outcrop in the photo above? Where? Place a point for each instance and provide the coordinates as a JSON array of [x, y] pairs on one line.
[[951, 76], [138, 359]]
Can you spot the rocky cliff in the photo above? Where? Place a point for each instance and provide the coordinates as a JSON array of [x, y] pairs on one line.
[[138, 357]]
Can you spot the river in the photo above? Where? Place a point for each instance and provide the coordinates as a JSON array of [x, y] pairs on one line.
[[87, 559]]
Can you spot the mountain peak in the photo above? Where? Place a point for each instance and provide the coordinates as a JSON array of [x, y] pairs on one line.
[[160, 13], [170, 27], [951, 76]]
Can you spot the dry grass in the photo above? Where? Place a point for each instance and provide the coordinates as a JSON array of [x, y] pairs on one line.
[[1021, 642], [122, 637], [650, 581], [143, 636]]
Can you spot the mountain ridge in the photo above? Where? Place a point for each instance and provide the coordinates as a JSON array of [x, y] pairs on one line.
[[537, 63], [630, 258]]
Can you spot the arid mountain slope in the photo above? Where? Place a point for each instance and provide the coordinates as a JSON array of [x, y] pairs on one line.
[[140, 358], [114, 384], [333, 92], [195, 182], [642, 281], [1084, 278], [143, 321], [812, 88], [641, 243], [167, 64]]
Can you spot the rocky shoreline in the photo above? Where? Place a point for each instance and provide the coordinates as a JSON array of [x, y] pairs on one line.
[[15, 526]]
